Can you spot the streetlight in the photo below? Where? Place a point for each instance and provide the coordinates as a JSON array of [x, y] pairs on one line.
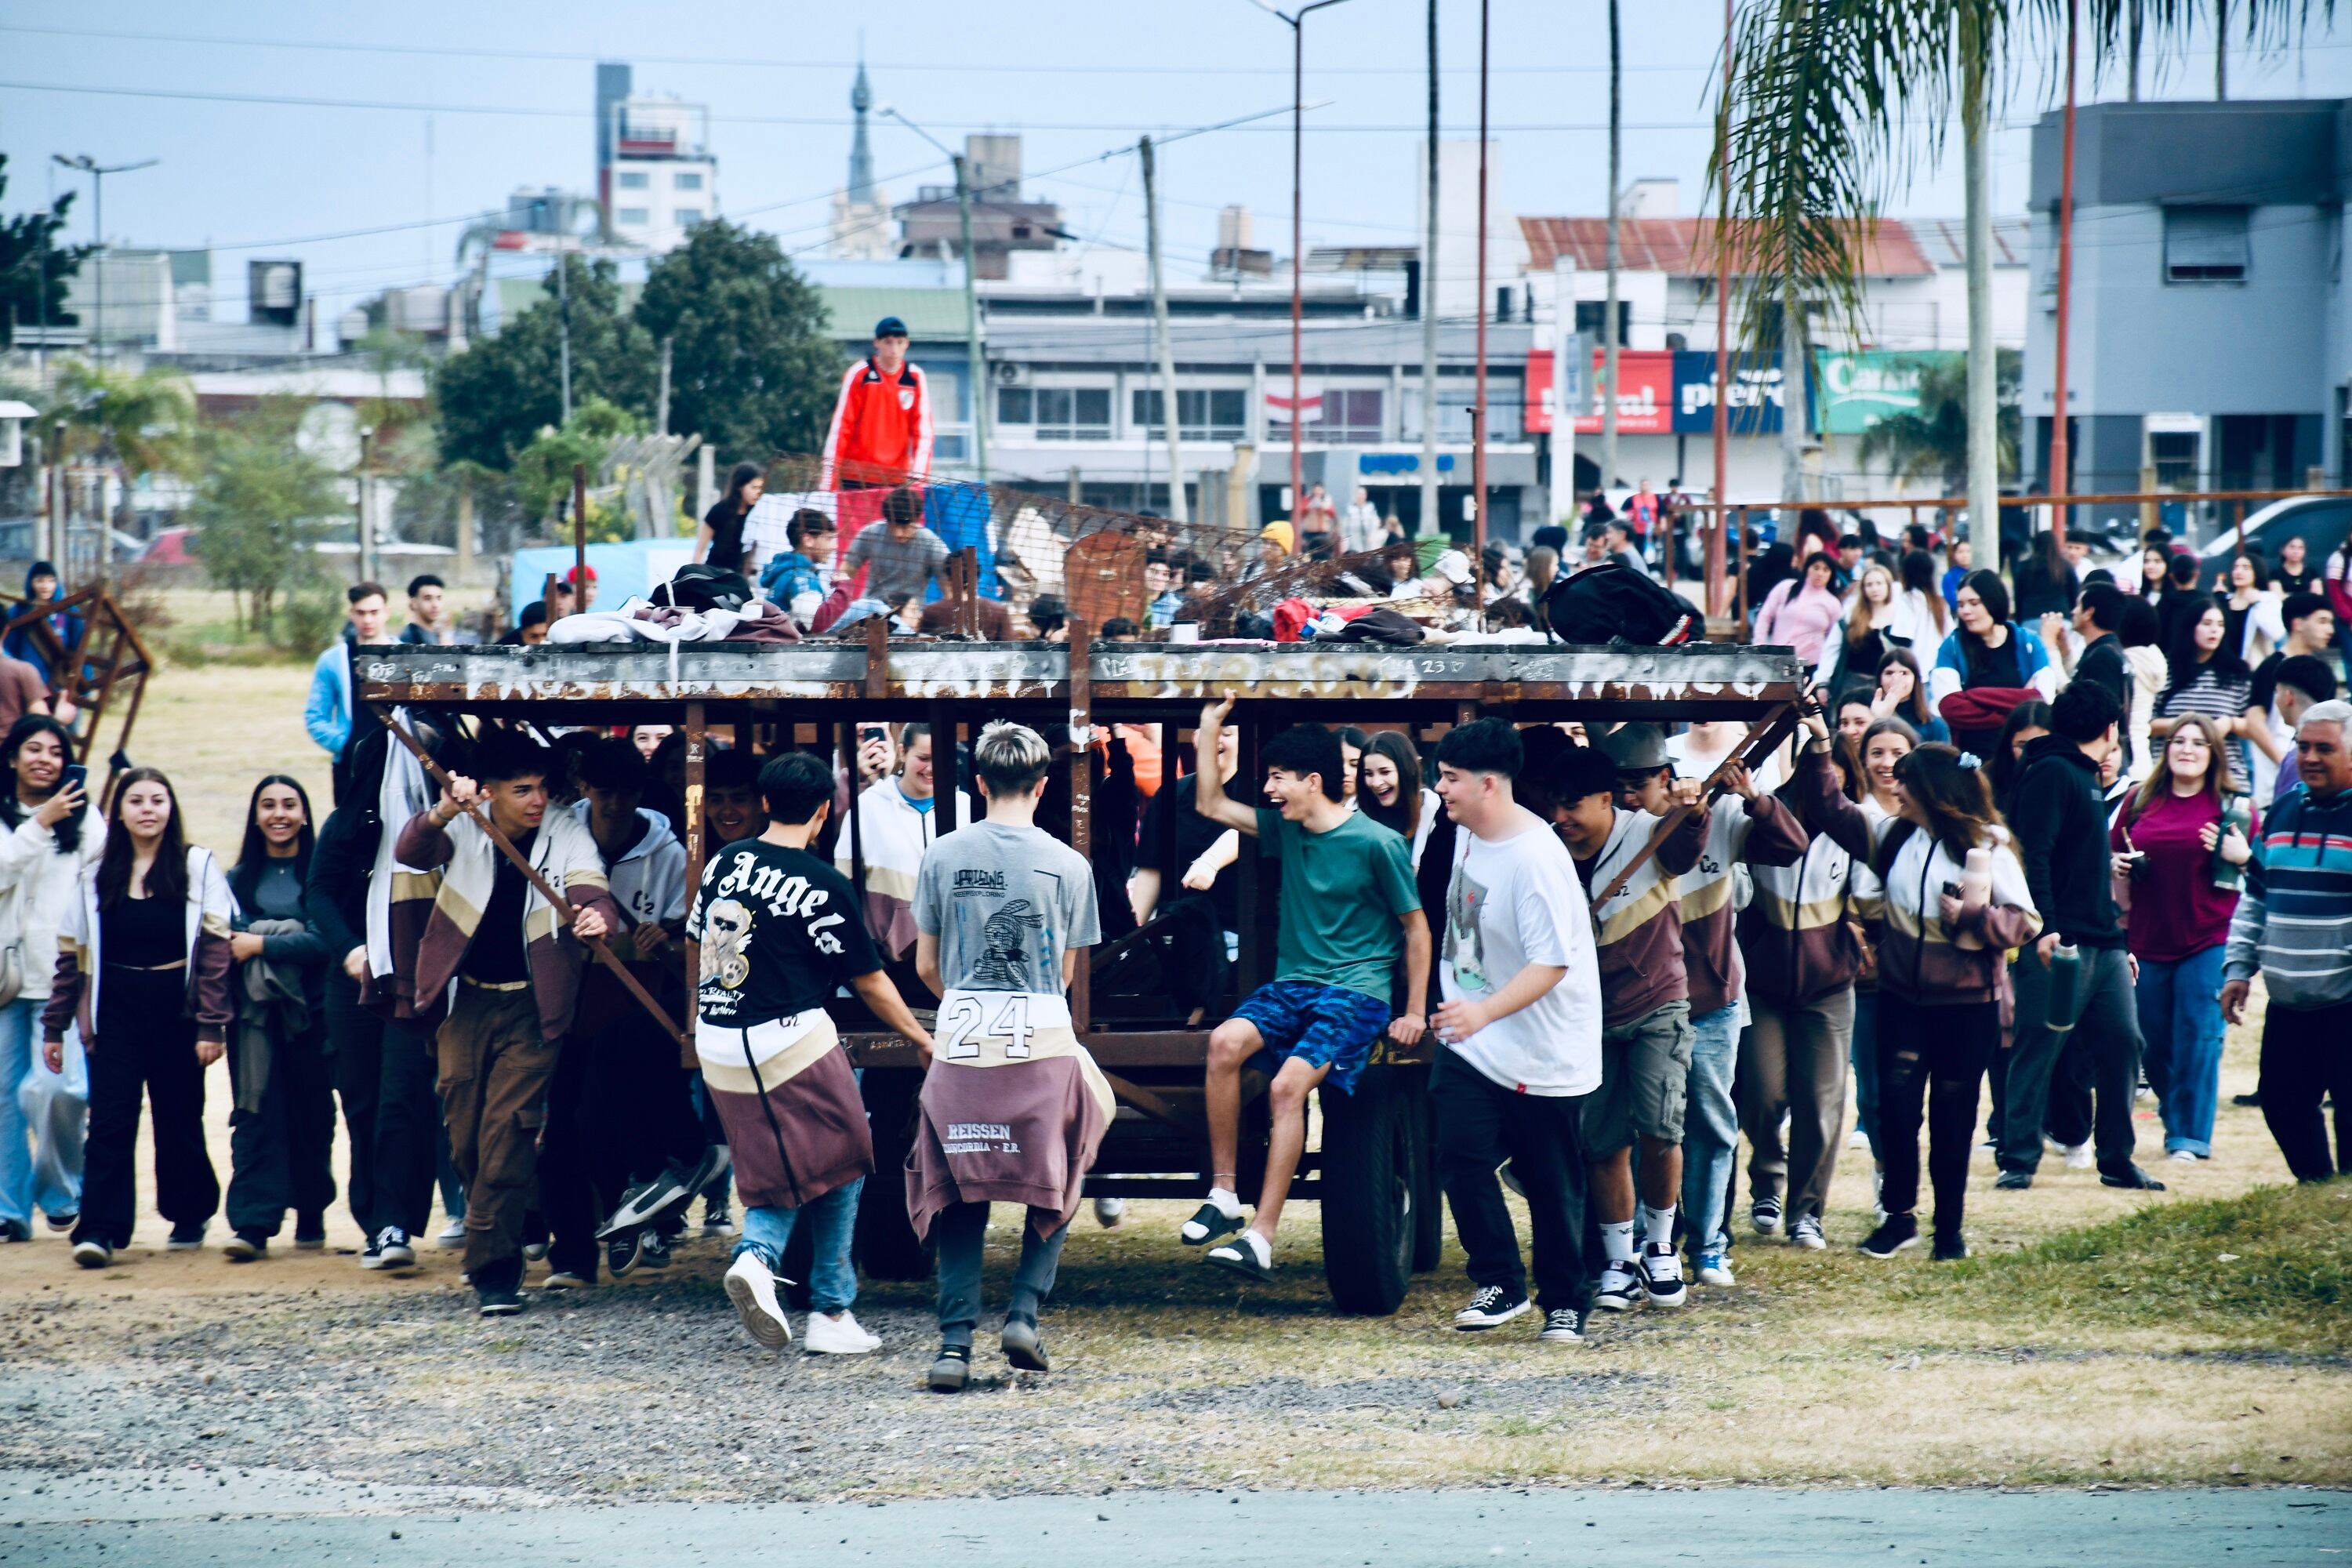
[[98, 172], [972, 367], [1297, 22]]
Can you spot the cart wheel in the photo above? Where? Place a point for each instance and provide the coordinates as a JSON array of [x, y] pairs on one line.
[[1428, 1191], [885, 1245], [1367, 1186]]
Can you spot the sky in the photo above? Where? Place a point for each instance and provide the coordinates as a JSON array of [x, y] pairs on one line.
[[278, 124]]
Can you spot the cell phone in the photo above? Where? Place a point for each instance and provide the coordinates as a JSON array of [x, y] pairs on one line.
[[1951, 889], [872, 733], [76, 777]]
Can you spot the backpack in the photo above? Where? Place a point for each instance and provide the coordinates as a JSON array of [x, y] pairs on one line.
[[698, 585], [1612, 602]]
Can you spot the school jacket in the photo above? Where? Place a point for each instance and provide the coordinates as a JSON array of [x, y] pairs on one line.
[[881, 429], [1796, 933], [1764, 833], [1638, 929], [81, 966], [1918, 959]]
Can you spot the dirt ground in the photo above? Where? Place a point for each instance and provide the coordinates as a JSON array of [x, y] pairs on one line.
[[2030, 1364]]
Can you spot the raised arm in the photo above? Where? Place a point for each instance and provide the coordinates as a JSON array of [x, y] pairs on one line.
[[1209, 797]]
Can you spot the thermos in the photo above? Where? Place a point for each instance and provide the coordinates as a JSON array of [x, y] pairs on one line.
[[2237, 817], [1976, 891], [2065, 988]]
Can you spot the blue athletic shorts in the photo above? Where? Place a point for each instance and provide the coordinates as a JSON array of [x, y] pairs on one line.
[[1324, 1025]]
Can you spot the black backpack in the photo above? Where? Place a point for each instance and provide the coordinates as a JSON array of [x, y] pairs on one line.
[[1612, 602], [698, 585]]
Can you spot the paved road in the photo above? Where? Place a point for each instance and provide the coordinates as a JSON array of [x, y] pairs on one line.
[[189, 1517]]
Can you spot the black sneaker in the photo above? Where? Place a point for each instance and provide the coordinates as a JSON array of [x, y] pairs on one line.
[[1022, 1346], [94, 1254], [1895, 1233], [653, 1249], [1950, 1248], [2012, 1181], [1621, 1286], [1491, 1305], [245, 1246], [389, 1250], [1662, 1274], [621, 1254], [64, 1222], [310, 1232], [1764, 1216], [500, 1303], [15, 1230], [951, 1369], [1208, 1224], [1563, 1326], [187, 1237], [2130, 1177], [673, 1189]]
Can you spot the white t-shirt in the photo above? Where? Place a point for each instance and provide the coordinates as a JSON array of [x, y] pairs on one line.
[[1508, 904]]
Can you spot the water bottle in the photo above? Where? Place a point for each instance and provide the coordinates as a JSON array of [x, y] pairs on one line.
[[2065, 988], [1976, 891], [2237, 817]]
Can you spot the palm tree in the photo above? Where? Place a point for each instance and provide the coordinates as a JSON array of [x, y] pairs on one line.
[[1832, 101], [1609, 334], [1931, 441]]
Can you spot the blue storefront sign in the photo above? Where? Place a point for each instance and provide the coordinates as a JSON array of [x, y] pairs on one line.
[[1755, 398]]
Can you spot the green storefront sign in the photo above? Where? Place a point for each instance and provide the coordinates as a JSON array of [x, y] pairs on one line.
[[1853, 392]]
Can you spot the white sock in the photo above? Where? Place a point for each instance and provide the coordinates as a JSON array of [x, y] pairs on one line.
[[1658, 1224], [1617, 1239], [1228, 1204]]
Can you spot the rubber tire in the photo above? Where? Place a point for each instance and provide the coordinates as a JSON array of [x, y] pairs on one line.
[[1367, 1188], [1428, 1191], [885, 1245]]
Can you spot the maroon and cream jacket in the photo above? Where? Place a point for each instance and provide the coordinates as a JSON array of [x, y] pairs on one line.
[[1759, 832], [1013, 1110], [563, 852], [788, 1098], [81, 963], [1640, 929], [1798, 933], [1919, 958]]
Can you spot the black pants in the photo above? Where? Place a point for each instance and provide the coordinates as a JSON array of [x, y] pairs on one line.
[[2306, 1056], [961, 1231], [356, 1047], [1931, 1058], [2067, 1103], [282, 1155], [407, 1124], [1480, 1124], [640, 1110], [146, 1044], [2108, 1034]]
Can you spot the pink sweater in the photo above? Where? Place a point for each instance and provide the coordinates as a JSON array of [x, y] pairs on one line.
[[1799, 615]]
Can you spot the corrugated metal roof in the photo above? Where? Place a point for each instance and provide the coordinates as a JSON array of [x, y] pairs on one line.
[[1945, 241], [1379, 341], [1686, 246], [935, 314]]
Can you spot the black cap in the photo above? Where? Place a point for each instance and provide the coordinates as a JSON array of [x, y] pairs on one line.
[[891, 327]]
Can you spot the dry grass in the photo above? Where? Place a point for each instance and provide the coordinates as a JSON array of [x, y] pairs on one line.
[[2097, 1335]]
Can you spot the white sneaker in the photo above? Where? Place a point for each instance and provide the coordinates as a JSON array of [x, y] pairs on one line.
[[1857, 1139], [452, 1235], [752, 1289], [843, 1335], [2078, 1158], [1715, 1269], [2182, 1157], [1108, 1212]]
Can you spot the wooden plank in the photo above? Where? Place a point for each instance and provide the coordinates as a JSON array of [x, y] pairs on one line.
[[697, 743]]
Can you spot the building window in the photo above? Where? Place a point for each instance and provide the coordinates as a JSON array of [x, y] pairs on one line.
[[689, 217], [1351, 414], [690, 182], [1059, 413], [637, 218], [2205, 245], [1203, 414], [634, 182]]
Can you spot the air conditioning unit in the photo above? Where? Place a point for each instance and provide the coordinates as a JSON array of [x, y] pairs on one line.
[[1008, 373]]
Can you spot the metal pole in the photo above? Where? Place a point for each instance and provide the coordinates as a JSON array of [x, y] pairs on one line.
[[661, 392], [1297, 267], [366, 557], [1429, 311], [1717, 541], [973, 367], [1609, 334], [2062, 465], [1478, 402], [564, 314], [579, 537], [97, 325], [1170, 414]]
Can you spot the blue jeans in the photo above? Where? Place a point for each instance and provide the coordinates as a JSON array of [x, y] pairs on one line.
[[2180, 1021], [42, 1116], [832, 1279], [1865, 1065], [1710, 1127]]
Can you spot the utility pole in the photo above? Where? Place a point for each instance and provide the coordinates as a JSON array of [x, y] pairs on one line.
[[2062, 456], [1171, 415], [2220, 51], [1984, 410], [1718, 538], [1429, 311], [1608, 332], [98, 172], [563, 315], [661, 393], [360, 495], [975, 367], [1478, 403]]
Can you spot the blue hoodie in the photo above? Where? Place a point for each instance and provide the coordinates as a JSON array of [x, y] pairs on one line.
[[66, 623]]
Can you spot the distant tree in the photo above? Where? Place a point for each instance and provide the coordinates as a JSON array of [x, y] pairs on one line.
[[135, 422], [34, 267], [261, 505], [1932, 440], [542, 471], [751, 367], [495, 398]]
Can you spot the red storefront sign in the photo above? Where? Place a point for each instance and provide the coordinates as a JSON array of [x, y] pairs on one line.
[[1645, 394]]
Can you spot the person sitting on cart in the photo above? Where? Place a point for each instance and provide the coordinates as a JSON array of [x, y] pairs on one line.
[[1349, 908], [1013, 1107], [779, 934]]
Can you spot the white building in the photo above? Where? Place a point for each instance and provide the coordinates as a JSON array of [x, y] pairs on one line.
[[656, 171]]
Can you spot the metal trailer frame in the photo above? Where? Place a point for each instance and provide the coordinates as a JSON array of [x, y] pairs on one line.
[[1375, 1173]]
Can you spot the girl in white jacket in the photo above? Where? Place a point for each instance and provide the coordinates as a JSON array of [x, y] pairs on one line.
[[45, 844]]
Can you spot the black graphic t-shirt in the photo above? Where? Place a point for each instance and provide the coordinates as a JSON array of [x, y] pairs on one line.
[[779, 932]]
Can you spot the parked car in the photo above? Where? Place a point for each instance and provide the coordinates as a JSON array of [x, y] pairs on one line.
[[171, 547], [2322, 522]]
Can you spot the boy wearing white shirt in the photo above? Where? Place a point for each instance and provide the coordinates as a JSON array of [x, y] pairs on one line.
[[1519, 1036]]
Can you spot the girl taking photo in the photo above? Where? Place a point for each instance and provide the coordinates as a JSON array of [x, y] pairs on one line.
[[143, 967]]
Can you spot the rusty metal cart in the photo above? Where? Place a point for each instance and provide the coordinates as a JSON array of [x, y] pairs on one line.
[[1373, 1173]]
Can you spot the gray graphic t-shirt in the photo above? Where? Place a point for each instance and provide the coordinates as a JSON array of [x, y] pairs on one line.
[[1005, 903]]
